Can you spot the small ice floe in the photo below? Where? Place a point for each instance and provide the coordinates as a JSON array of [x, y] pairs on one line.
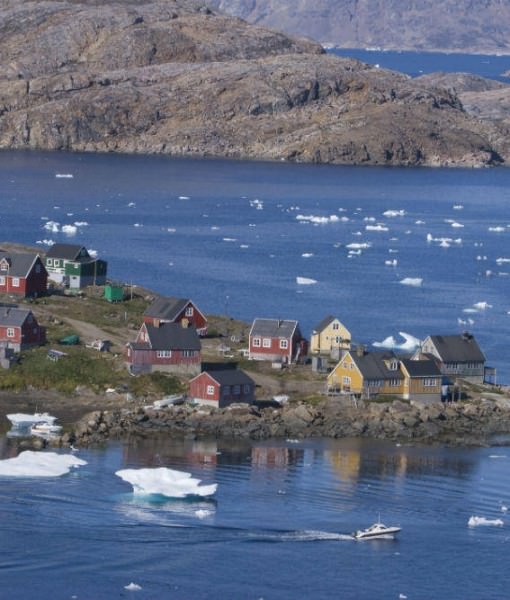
[[469, 310], [202, 513], [93, 253], [457, 225], [378, 227], [64, 175], [184, 198], [52, 226], [214, 228], [81, 223], [69, 229], [442, 241], [391, 263], [412, 281], [418, 222], [353, 253], [480, 257], [69, 214], [292, 441], [392, 251], [317, 219], [465, 321], [482, 305], [228, 239], [137, 225], [394, 213], [357, 233], [307, 254], [132, 204], [45, 242], [445, 244], [39, 464], [501, 260], [358, 246], [257, 204], [497, 456], [476, 521], [244, 246], [171, 229], [458, 206], [133, 587], [305, 281], [497, 229], [369, 219], [165, 482], [410, 342]]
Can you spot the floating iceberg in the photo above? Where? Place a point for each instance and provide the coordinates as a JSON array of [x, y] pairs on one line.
[[391, 263], [39, 464], [412, 281], [410, 342], [64, 175], [69, 229], [458, 207], [133, 587], [317, 220], [81, 223], [52, 226], [475, 521], [165, 482], [307, 254], [358, 246], [184, 198], [497, 229], [501, 261], [482, 305], [394, 213], [457, 225], [305, 281], [377, 227]]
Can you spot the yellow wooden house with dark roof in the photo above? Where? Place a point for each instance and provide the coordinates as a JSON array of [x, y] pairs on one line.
[[330, 337]]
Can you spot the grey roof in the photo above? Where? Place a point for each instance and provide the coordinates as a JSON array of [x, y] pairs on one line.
[[167, 308], [20, 262], [276, 328], [231, 377], [457, 348], [172, 336], [372, 365], [66, 251], [323, 324], [13, 317], [421, 368]]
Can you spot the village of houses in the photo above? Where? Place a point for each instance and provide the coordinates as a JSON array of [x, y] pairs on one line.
[[170, 340]]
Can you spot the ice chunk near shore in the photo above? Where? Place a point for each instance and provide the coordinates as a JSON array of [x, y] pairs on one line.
[[305, 281], [394, 213], [52, 226], [410, 342], [412, 281], [165, 482], [475, 521], [69, 229], [39, 464]]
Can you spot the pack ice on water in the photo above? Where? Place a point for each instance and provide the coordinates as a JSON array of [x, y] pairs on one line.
[[165, 482]]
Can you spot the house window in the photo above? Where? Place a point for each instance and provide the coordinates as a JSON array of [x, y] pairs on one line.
[[10, 332], [189, 311], [188, 353], [15, 282], [429, 382], [393, 365], [335, 326], [346, 380], [256, 342], [164, 353], [37, 268], [2, 280], [394, 382], [226, 390], [246, 388], [266, 342], [49, 262], [284, 344], [210, 390], [236, 390]]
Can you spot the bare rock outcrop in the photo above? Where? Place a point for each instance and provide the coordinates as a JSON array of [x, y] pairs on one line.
[[172, 77]]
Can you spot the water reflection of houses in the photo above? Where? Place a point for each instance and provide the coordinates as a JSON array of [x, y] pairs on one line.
[[268, 456]]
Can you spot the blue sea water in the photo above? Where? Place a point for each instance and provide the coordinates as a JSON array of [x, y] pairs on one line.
[[235, 236], [277, 528]]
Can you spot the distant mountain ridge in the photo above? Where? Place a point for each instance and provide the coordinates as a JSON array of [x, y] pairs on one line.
[[450, 25]]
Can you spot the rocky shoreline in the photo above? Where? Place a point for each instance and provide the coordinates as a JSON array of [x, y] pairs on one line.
[[460, 424]]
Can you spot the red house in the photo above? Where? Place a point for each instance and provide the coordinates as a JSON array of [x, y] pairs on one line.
[[222, 387], [276, 340], [169, 347], [19, 329], [176, 310], [22, 274]]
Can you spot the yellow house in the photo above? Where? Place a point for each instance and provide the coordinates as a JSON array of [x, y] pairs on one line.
[[367, 374], [330, 336]]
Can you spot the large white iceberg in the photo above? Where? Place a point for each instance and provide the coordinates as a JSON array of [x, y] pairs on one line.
[[39, 464], [305, 281], [165, 482], [410, 342], [475, 521], [412, 281]]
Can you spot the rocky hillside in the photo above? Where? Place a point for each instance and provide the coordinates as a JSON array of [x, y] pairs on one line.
[[170, 76], [450, 25]]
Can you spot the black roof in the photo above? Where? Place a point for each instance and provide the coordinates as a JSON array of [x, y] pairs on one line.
[[230, 377], [323, 324], [372, 365], [457, 348], [20, 263], [66, 251], [167, 308], [275, 328], [172, 336], [421, 368]]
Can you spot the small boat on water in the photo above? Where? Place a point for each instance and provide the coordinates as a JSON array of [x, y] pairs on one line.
[[25, 421], [377, 531], [45, 429]]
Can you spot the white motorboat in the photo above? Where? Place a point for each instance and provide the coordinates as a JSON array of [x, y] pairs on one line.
[[377, 531], [25, 421], [45, 429]]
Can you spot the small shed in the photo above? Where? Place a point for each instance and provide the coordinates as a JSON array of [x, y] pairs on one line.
[[114, 292]]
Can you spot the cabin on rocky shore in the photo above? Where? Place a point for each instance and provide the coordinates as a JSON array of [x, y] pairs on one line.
[[221, 387]]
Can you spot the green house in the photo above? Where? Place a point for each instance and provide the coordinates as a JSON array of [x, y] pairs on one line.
[[72, 266]]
